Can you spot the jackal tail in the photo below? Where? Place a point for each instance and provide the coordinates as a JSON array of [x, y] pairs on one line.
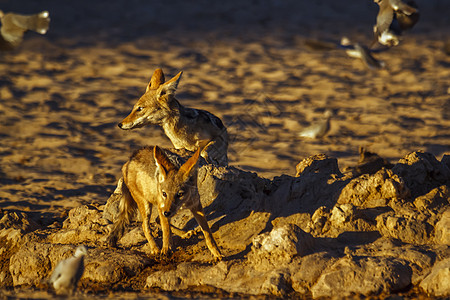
[[127, 208]]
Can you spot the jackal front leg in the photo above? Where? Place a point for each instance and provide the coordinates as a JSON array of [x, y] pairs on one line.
[[146, 227], [167, 235], [199, 215]]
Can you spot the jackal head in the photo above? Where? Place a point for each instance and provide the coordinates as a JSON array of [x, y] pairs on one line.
[[177, 188], [155, 105]]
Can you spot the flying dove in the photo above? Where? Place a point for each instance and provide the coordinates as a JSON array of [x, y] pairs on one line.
[[394, 16], [15, 25]]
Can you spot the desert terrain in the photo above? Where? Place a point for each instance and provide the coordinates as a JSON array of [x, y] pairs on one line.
[[249, 62]]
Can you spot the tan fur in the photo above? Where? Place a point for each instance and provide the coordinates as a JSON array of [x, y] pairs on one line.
[[151, 178], [187, 128]]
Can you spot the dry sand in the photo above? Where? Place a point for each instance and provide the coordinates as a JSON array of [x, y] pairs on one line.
[[62, 94]]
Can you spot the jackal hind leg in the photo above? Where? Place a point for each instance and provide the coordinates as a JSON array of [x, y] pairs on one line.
[[199, 215]]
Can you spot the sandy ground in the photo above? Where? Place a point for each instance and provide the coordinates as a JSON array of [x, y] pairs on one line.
[[62, 94]]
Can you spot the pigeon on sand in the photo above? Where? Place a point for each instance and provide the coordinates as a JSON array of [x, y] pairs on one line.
[[68, 272]]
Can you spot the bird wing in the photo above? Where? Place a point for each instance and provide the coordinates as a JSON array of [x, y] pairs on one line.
[[37, 22], [367, 58], [10, 31], [384, 17], [399, 5]]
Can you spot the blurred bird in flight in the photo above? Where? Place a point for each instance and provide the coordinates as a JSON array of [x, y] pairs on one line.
[[394, 16], [14, 26], [319, 129]]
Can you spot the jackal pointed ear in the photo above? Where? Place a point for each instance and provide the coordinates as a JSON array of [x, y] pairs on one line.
[[170, 86], [156, 80], [163, 164], [188, 167]]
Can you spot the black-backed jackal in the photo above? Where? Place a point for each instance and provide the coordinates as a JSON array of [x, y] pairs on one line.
[[187, 128], [151, 177]]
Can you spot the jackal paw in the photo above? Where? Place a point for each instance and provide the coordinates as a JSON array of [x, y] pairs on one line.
[[152, 251], [165, 253], [189, 234], [217, 258]]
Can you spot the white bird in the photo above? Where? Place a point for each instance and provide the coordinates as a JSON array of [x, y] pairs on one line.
[[319, 129], [68, 272]]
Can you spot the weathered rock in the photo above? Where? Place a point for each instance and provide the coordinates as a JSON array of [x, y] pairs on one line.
[[85, 217], [345, 218], [363, 275], [318, 163], [13, 228], [407, 229], [442, 229], [111, 208], [369, 163], [305, 271], [302, 220], [84, 224], [16, 220], [446, 160], [133, 237], [14, 225], [277, 283], [279, 246], [434, 200], [419, 259], [33, 262], [374, 190], [348, 218], [317, 183], [232, 235], [106, 267], [188, 274], [319, 220], [422, 172], [437, 283], [321, 232]]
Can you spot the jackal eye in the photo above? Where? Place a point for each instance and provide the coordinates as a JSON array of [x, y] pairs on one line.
[[180, 194], [140, 108], [164, 194]]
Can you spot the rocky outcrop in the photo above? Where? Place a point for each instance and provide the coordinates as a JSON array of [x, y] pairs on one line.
[[437, 283], [320, 233]]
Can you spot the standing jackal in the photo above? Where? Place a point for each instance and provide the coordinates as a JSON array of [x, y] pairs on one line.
[[187, 128], [150, 177]]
